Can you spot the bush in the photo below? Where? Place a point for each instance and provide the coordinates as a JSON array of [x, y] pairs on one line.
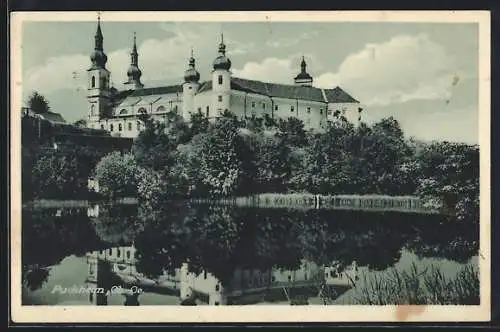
[[116, 175]]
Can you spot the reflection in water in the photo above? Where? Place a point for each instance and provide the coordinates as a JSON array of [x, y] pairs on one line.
[[226, 255]]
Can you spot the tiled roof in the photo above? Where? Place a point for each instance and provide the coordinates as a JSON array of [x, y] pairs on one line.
[[336, 95], [161, 90]]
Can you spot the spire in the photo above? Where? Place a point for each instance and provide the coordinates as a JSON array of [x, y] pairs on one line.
[[134, 55], [303, 78], [303, 65], [98, 57], [98, 35], [222, 46], [191, 74], [192, 60], [134, 73]]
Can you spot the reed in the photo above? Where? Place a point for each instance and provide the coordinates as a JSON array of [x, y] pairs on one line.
[[419, 286]]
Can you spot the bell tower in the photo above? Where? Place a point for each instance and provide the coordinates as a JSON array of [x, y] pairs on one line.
[[98, 92], [221, 81], [189, 88], [303, 78], [134, 73]]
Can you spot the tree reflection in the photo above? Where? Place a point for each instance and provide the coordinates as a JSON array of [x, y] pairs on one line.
[[50, 235]]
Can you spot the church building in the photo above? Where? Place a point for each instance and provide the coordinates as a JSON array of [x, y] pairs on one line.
[[118, 111]]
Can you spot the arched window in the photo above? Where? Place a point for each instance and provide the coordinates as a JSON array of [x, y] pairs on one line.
[[111, 127], [160, 109], [130, 126], [93, 81], [118, 252], [92, 109], [123, 112], [102, 127], [220, 79], [142, 110], [208, 111], [119, 127]]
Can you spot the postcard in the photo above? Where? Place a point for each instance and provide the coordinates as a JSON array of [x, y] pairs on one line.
[[250, 166]]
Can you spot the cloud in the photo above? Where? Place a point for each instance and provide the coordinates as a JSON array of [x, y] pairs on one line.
[[402, 69], [269, 70], [288, 42], [276, 70], [158, 59]]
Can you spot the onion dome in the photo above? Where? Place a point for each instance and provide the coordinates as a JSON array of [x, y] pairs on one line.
[[221, 61], [191, 74], [134, 73], [98, 57]]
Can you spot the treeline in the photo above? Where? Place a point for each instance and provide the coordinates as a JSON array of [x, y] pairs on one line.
[[228, 157]]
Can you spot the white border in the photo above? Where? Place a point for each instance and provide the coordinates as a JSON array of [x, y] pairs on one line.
[[253, 314]]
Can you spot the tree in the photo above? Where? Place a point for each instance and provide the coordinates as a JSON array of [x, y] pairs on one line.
[[292, 131], [224, 158], [38, 104], [271, 161], [117, 175], [450, 172]]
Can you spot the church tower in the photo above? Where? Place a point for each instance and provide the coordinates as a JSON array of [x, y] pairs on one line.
[[98, 92], [221, 82], [134, 73], [189, 88], [303, 78]]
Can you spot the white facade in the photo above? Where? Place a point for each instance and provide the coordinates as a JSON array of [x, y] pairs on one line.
[[243, 282], [119, 111]]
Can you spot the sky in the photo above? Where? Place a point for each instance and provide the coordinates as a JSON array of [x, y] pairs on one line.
[[423, 74]]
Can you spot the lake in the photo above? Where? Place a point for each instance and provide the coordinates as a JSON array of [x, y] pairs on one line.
[[200, 254]]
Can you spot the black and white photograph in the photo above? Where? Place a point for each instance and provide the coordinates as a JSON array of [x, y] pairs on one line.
[[332, 166]]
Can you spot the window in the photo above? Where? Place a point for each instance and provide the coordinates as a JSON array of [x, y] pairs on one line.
[[123, 112], [289, 278], [275, 107], [220, 98], [305, 276], [110, 251], [253, 104], [308, 110], [92, 110], [291, 109], [321, 111], [93, 81], [130, 126], [160, 109], [273, 278], [264, 105], [220, 79], [205, 274], [119, 127], [142, 110], [329, 112], [102, 127], [217, 287], [118, 252], [208, 111], [128, 254], [199, 109], [111, 127]]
